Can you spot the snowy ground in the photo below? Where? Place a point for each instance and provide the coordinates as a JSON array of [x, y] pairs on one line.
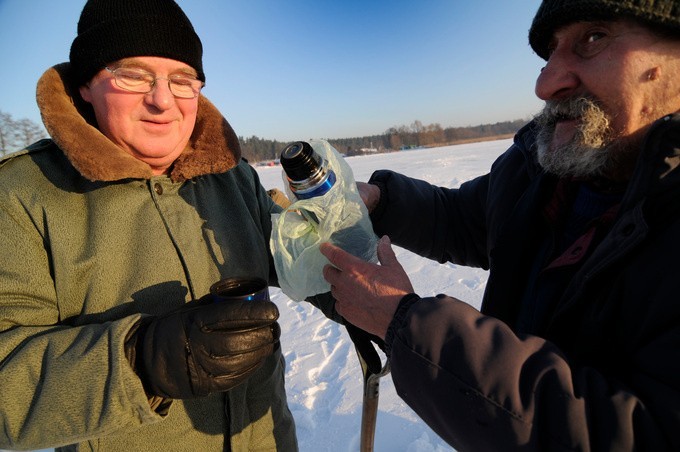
[[323, 377]]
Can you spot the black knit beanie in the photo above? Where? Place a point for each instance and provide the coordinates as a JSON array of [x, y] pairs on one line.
[[553, 14], [109, 30]]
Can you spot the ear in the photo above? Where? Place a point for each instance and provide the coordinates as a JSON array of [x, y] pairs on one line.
[[85, 93]]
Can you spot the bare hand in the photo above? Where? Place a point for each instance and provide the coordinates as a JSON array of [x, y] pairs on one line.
[[370, 195], [366, 294]]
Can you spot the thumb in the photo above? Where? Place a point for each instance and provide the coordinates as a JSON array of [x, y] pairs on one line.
[[386, 254]]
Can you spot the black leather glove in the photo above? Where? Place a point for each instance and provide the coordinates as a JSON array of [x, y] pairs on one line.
[[203, 347]]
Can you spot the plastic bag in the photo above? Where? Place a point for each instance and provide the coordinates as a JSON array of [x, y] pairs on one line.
[[339, 216]]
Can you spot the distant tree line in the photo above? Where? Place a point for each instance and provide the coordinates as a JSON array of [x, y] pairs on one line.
[[396, 138], [17, 134], [257, 149]]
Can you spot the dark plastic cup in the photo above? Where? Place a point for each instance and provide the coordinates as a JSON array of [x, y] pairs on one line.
[[240, 289]]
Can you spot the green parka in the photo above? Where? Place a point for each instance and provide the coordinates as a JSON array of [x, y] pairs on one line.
[[90, 241]]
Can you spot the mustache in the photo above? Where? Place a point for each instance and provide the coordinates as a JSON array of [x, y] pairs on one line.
[[594, 125], [586, 108]]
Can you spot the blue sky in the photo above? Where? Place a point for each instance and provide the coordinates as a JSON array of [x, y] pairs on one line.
[[300, 69]]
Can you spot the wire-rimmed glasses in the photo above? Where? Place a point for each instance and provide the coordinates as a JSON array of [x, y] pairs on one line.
[[141, 81]]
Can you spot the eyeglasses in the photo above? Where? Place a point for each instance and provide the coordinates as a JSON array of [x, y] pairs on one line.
[[141, 81]]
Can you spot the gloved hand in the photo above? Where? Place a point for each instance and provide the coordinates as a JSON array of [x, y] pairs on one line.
[[203, 347]]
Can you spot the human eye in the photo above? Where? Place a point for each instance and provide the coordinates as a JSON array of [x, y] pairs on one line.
[[551, 49], [185, 86], [183, 81], [133, 76], [594, 36], [592, 42]]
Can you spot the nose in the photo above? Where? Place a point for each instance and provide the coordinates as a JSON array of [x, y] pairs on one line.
[[558, 79], [160, 95]]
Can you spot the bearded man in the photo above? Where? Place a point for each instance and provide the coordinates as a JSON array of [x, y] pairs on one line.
[[577, 345]]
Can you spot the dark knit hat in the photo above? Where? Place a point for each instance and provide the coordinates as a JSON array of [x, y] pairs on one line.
[[109, 30], [553, 14]]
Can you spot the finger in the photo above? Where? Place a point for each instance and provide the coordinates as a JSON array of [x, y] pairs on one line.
[[386, 254], [330, 274], [338, 257], [235, 365], [225, 344], [328, 250]]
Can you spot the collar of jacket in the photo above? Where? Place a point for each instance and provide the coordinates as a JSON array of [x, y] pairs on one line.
[[657, 164], [656, 170], [70, 121], [525, 140]]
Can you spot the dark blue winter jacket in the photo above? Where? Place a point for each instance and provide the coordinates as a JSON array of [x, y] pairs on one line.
[[605, 372]]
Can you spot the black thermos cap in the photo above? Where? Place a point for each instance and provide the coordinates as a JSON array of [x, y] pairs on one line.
[[299, 161]]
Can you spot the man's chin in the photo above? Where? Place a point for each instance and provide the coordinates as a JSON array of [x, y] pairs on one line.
[[570, 159], [158, 159]]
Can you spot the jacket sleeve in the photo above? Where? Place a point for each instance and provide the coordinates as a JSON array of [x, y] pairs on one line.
[[451, 223], [481, 387], [454, 224], [61, 383]]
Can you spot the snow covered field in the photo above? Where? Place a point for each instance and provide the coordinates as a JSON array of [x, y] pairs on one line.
[[323, 376]]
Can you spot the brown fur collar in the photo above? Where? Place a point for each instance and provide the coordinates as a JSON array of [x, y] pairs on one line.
[[212, 148]]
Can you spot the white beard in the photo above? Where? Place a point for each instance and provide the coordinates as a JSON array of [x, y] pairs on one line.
[[589, 152]]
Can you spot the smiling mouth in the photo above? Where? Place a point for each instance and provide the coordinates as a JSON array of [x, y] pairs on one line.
[[157, 124], [559, 112], [157, 127], [555, 121]]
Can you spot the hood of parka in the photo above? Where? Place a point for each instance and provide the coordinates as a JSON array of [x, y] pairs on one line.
[[70, 121]]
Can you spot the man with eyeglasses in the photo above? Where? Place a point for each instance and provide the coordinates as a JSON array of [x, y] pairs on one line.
[[183, 86], [113, 232]]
